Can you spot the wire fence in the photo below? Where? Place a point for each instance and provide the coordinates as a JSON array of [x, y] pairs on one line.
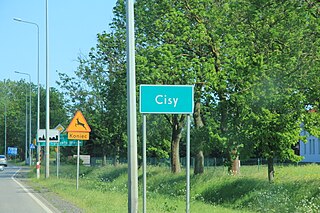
[[208, 162]]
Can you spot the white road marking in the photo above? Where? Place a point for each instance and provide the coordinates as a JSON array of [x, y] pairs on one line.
[[30, 194]]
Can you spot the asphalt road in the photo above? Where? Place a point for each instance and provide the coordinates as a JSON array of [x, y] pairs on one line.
[[15, 197]]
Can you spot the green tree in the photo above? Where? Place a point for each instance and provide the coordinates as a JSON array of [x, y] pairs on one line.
[[15, 97], [195, 42], [100, 89], [230, 50], [283, 40], [240, 55]]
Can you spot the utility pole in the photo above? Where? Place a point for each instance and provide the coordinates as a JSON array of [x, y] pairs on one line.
[[132, 117], [47, 152]]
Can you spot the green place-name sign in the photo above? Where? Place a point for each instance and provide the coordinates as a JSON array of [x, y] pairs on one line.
[[63, 142], [69, 143], [166, 99]]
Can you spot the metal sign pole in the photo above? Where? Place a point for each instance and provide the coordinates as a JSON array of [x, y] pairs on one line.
[[153, 100], [188, 166], [144, 153], [78, 162], [30, 160], [47, 152], [38, 158], [58, 159]]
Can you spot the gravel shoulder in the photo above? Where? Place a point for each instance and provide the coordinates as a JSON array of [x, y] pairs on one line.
[[56, 203]]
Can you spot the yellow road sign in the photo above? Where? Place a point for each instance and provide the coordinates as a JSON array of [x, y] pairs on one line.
[[60, 128], [78, 124], [78, 135]]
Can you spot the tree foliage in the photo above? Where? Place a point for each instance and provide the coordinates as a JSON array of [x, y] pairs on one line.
[[254, 65], [14, 108]]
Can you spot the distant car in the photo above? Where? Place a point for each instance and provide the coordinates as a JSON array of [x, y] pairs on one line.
[[3, 160]]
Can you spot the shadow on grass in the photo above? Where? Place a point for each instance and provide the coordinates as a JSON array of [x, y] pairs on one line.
[[230, 192], [110, 176], [167, 185]]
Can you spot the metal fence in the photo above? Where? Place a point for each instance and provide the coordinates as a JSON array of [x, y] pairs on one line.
[[208, 162]]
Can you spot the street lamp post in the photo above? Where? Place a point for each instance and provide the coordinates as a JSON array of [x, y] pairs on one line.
[[23, 73], [38, 79], [5, 129], [4, 91], [131, 115], [47, 96], [5, 120], [26, 143]]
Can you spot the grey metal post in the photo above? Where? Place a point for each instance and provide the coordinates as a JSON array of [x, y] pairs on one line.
[[5, 129], [38, 104], [23, 73], [26, 143], [5, 120], [188, 166], [38, 81], [58, 159], [47, 99], [78, 162], [144, 152], [132, 120], [30, 139]]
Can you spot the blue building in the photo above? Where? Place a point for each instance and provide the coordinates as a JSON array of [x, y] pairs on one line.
[[311, 149]]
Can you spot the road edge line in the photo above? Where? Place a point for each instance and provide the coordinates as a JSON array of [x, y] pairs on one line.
[[30, 194]]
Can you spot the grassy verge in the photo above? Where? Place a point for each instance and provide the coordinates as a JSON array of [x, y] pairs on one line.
[[104, 189]]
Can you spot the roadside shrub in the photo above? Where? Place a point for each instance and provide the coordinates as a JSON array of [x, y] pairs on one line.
[[73, 161]]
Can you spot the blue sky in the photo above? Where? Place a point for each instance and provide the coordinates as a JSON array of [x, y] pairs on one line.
[[73, 26]]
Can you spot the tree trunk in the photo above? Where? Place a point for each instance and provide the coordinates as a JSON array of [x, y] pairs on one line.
[[236, 166], [233, 162], [175, 157], [229, 161], [199, 159], [176, 137], [270, 170], [104, 160], [116, 156], [199, 163], [104, 156], [223, 113]]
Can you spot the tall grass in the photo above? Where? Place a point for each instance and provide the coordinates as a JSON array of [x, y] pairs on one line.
[[104, 189]]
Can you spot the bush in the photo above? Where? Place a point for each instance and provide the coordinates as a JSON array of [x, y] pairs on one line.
[[73, 161]]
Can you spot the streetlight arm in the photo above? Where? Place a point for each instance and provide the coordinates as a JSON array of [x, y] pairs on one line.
[[24, 73], [17, 19], [28, 22]]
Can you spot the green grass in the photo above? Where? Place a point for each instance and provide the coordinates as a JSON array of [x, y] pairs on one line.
[[104, 189]]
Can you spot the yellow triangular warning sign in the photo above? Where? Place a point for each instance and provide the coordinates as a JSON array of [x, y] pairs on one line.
[[78, 124]]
